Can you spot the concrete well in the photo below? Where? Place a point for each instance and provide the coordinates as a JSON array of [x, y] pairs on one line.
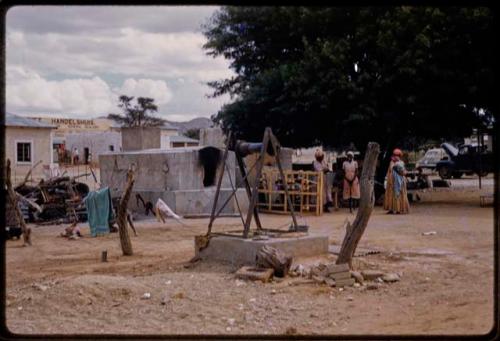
[[239, 251]]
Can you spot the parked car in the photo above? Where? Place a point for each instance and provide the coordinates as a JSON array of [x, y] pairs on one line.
[[466, 159], [431, 158]]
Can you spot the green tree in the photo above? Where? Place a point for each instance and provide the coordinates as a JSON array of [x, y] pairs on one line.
[[193, 133], [137, 115], [354, 74]]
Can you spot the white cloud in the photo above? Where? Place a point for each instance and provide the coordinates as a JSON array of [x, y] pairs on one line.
[[58, 58], [28, 92], [155, 89]]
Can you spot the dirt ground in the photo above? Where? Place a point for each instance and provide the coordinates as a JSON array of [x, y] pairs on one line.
[[446, 286]]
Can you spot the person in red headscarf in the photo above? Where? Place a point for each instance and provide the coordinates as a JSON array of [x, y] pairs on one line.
[[396, 195]]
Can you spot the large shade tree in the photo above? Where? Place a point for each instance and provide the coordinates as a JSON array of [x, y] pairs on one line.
[[354, 74], [139, 114]]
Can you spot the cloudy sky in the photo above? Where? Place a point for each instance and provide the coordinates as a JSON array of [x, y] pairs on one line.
[[75, 61]]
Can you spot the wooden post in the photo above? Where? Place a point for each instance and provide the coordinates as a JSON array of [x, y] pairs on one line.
[[13, 201], [355, 231], [219, 183], [121, 219]]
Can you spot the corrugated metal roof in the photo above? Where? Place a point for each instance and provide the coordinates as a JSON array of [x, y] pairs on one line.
[[181, 138], [12, 120]]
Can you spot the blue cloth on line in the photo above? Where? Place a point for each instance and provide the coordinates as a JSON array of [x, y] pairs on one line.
[[99, 211]]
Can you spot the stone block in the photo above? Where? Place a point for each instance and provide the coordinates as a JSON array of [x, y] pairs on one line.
[[334, 268], [370, 275], [340, 275], [344, 282], [255, 274]]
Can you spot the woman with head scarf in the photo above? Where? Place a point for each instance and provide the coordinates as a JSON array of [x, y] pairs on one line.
[[351, 181], [396, 195], [320, 165]]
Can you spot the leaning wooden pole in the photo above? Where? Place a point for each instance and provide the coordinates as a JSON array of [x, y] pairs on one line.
[[355, 231], [121, 218], [13, 201]]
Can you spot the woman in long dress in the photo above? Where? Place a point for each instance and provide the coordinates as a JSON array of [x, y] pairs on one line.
[[351, 181], [396, 195], [320, 165]]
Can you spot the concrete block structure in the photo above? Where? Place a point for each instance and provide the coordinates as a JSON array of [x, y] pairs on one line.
[[138, 138], [174, 175], [92, 144], [212, 137]]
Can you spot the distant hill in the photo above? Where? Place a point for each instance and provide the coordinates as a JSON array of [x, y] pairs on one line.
[[195, 123]]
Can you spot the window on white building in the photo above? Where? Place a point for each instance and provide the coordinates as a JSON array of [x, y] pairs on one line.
[[23, 151]]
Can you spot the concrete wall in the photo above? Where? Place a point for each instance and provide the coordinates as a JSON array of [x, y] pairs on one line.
[[212, 137], [41, 149], [139, 138], [159, 170], [97, 142], [174, 175]]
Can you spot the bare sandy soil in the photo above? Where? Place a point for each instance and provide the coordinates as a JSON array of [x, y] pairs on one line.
[[446, 287]]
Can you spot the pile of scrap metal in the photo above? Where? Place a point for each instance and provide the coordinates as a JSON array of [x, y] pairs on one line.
[[56, 200]]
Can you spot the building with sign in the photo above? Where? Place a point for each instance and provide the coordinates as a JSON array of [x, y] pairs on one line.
[[28, 142]]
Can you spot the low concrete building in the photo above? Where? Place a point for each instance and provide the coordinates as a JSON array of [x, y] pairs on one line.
[[140, 138], [27, 142], [92, 144], [176, 175]]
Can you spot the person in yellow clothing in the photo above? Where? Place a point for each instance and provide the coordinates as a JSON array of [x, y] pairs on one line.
[[396, 195]]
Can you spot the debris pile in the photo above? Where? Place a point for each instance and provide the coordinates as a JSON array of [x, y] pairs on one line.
[[56, 200], [339, 275]]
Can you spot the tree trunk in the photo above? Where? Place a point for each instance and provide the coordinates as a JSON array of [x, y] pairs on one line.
[[13, 201], [121, 218], [366, 202], [270, 257]]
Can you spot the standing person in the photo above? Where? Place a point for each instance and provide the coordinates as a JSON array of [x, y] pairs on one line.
[[320, 165], [396, 195], [76, 153], [351, 181]]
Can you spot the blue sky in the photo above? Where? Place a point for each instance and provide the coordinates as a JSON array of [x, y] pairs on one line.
[[76, 60]]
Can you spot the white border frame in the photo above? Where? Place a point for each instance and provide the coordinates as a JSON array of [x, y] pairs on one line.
[[30, 141]]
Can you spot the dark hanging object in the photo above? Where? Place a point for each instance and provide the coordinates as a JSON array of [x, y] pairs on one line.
[[209, 158]]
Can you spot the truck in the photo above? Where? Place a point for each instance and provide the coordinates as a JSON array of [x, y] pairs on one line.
[[466, 159]]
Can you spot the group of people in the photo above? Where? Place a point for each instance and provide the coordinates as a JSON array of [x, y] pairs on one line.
[[396, 196]]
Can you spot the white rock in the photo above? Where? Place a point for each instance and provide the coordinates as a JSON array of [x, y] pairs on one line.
[[40, 287], [390, 277], [231, 321], [357, 285], [146, 295], [350, 298], [168, 282], [341, 289], [252, 300], [239, 283], [228, 329]]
